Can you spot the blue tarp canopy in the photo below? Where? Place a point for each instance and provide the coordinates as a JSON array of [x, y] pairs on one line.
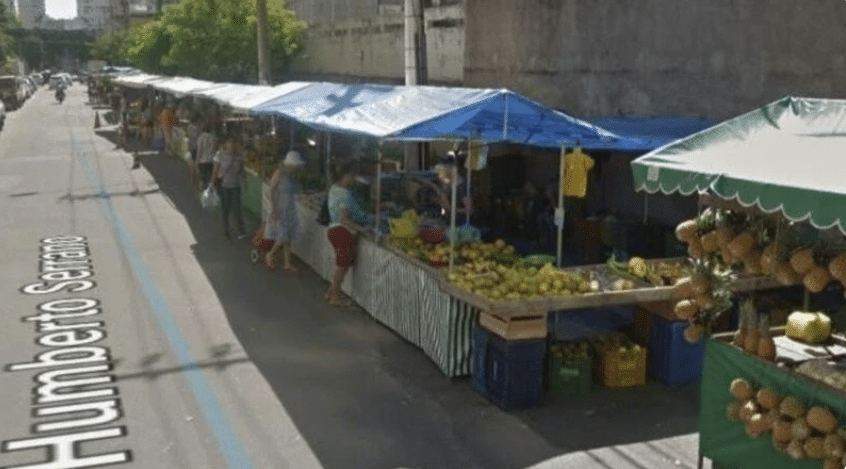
[[659, 131], [420, 113]]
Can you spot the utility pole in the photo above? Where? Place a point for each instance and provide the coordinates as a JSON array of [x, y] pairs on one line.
[[263, 44], [415, 69]]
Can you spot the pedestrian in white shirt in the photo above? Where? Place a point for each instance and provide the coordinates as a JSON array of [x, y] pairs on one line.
[[206, 148]]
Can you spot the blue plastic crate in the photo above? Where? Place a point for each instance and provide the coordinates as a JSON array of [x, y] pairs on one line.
[[507, 372], [673, 360], [583, 324]]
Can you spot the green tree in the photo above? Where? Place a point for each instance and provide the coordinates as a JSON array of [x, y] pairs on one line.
[[8, 26], [215, 40], [112, 48]]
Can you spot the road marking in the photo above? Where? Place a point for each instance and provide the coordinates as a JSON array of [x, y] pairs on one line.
[[228, 440]]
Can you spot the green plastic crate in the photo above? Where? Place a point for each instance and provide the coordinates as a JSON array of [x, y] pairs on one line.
[[568, 377]]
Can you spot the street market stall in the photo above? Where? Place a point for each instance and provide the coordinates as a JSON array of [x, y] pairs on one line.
[[772, 182], [423, 307]]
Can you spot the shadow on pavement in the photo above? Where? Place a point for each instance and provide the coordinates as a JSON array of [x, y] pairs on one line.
[[362, 397]]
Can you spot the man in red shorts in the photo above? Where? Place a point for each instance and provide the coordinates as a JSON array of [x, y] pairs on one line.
[[346, 218]]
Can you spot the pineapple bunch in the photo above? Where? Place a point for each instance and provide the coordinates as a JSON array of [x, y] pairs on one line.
[[702, 297], [752, 245], [753, 333], [796, 431]]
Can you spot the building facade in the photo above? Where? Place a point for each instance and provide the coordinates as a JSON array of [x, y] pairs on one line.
[[595, 58], [11, 10], [363, 40], [657, 57], [31, 13]]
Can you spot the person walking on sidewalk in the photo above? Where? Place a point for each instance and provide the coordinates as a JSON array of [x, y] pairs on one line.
[[145, 123], [346, 218], [167, 123], [229, 170], [204, 162], [283, 223]]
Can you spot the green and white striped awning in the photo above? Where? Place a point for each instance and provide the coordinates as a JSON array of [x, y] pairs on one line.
[[788, 156]]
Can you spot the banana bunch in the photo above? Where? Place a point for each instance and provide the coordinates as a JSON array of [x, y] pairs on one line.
[[637, 268]]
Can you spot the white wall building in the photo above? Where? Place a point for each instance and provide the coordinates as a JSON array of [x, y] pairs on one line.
[[95, 14], [31, 13], [10, 7]]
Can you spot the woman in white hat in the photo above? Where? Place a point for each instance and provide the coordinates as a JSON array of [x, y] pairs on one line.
[[283, 223]]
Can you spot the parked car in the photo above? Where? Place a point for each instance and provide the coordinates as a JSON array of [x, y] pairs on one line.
[[29, 86], [10, 92], [55, 80]]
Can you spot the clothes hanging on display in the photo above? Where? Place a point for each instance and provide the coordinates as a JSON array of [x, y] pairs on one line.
[[577, 166]]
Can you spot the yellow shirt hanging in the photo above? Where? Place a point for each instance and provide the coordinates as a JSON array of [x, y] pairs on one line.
[[577, 165]]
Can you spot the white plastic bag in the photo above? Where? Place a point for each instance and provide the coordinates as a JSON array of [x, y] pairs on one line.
[[210, 199]]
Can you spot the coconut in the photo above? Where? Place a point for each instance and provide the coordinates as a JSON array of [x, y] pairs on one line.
[[767, 398], [682, 289], [725, 235], [709, 242], [748, 409], [685, 309], [795, 449], [835, 447], [815, 447], [770, 256], [832, 463], [741, 390], [782, 431], [757, 424], [752, 262], [837, 267], [802, 260], [705, 302], [816, 279], [821, 419], [693, 333], [700, 283], [695, 249], [792, 408], [784, 274], [686, 230], [800, 430], [726, 256], [742, 244]]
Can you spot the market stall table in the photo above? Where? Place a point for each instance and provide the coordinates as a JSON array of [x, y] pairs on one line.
[[403, 294], [543, 305]]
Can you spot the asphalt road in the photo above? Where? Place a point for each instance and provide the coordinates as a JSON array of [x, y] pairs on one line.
[[135, 335]]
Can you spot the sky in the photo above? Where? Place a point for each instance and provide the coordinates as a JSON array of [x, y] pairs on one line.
[[60, 8]]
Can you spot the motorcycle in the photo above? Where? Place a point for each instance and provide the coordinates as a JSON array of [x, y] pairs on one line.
[[60, 95]]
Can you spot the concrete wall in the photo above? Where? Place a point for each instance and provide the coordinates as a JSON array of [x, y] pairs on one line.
[[31, 13], [372, 48], [657, 57]]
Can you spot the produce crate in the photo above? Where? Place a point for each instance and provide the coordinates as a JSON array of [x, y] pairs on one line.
[[516, 328], [615, 369], [509, 373], [568, 377], [581, 324], [672, 360]]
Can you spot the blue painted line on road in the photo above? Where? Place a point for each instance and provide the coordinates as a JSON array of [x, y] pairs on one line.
[[228, 440]]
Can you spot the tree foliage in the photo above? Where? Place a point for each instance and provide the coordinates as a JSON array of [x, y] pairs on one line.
[[209, 39], [112, 48], [8, 24]]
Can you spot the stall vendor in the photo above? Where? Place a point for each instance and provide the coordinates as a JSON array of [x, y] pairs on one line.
[[440, 193]]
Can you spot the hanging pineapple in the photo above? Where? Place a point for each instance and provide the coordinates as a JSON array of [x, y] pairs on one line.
[[704, 296], [766, 348], [751, 336]]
